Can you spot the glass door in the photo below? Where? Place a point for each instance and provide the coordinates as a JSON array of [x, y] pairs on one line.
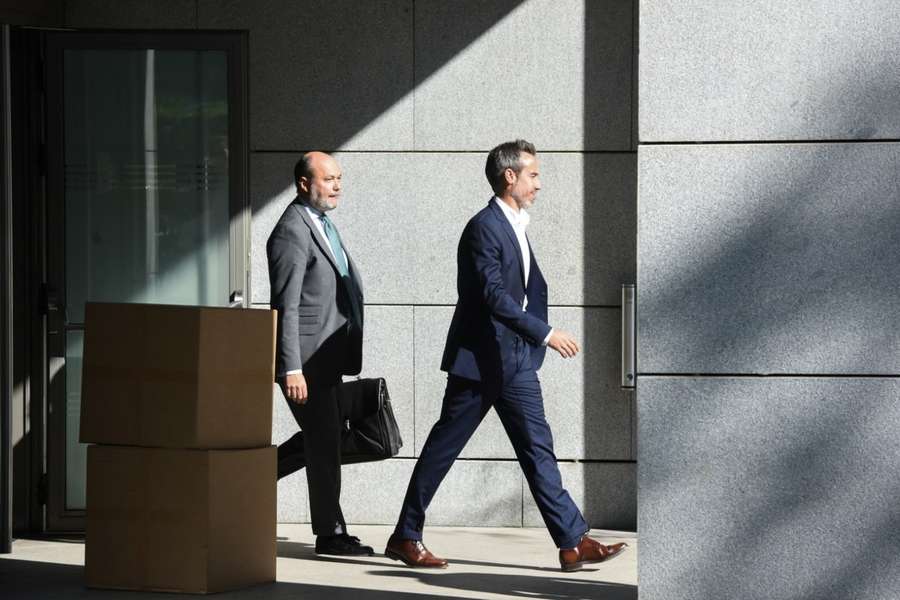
[[146, 201]]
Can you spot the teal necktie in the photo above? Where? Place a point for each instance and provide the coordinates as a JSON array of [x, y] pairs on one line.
[[335, 241], [341, 260]]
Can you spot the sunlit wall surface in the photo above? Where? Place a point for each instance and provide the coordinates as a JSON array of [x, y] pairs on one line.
[[412, 94], [768, 269]]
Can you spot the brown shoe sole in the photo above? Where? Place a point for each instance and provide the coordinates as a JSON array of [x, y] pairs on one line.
[[394, 556], [577, 566]]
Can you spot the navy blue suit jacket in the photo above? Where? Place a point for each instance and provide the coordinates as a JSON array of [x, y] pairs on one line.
[[490, 281]]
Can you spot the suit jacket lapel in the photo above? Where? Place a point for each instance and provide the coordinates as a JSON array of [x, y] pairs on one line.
[[534, 266], [508, 228], [323, 244]]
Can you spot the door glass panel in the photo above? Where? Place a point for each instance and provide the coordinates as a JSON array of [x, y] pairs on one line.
[[146, 192], [76, 455]]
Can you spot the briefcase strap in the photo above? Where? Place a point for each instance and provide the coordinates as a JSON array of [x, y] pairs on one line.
[[361, 398]]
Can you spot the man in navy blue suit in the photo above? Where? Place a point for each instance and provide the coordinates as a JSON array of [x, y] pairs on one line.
[[496, 344]]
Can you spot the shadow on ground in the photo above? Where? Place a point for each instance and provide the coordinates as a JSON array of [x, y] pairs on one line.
[[523, 586], [29, 579]]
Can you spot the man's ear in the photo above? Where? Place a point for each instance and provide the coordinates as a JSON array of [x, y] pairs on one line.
[[303, 185], [510, 176]]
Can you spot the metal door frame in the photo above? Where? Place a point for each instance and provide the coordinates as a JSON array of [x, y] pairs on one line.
[[57, 516], [6, 294]]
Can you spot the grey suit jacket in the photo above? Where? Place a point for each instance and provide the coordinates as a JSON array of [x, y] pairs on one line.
[[313, 304]]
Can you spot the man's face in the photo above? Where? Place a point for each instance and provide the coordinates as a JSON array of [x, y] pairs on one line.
[[525, 183], [323, 187]]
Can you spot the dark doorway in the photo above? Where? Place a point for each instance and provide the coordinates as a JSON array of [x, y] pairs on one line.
[[140, 196]]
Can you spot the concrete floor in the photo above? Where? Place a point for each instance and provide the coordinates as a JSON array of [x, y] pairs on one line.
[[489, 563]]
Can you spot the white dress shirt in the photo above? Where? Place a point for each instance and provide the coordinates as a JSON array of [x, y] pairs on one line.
[[519, 221], [316, 216]]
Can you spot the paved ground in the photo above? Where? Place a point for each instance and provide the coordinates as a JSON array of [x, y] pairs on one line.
[[487, 563]]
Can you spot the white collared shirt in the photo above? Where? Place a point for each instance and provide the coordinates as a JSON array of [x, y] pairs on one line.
[[316, 217], [519, 221]]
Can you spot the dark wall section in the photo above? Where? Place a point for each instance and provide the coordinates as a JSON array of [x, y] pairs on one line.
[[27, 194], [32, 12], [609, 255], [5, 302]]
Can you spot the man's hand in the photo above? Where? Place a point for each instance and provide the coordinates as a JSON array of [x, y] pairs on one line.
[[295, 386], [563, 343]]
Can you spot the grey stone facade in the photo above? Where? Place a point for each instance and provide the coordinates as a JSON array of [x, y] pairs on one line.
[[765, 247], [767, 282], [769, 487], [411, 94]]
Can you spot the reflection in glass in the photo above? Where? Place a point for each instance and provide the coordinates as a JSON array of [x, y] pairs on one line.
[[76, 453], [146, 192], [146, 165]]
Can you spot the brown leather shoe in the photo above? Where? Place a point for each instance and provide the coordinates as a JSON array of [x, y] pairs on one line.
[[587, 551], [413, 553]]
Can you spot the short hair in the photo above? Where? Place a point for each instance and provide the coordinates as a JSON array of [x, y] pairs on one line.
[[302, 169], [505, 156]]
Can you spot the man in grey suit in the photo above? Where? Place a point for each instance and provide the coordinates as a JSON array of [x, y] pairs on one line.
[[315, 288]]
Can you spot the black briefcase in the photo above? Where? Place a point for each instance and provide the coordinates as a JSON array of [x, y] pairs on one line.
[[370, 429]]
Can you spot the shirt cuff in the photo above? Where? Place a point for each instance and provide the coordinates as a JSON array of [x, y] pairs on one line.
[[293, 372], [547, 339]]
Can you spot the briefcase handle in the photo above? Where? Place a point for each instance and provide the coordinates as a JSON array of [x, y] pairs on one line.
[[361, 397]]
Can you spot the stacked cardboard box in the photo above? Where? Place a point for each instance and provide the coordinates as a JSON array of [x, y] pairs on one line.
[[181, 482]]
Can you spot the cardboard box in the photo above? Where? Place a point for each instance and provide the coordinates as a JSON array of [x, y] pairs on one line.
[[177, 376], [180, 520]]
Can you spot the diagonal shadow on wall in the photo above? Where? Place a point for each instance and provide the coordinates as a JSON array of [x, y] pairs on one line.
[[805, 283], [333, 46], [352, 66], [450, 27]]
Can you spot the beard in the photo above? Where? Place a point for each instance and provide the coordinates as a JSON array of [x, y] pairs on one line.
[[525, 202], [322, 202]]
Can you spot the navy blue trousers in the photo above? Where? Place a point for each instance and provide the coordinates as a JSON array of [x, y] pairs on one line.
[[520, 406]]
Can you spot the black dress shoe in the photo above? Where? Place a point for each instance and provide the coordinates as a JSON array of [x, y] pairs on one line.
[[342, 545]]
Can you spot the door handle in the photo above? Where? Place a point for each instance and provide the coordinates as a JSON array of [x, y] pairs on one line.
[[50, 306], [236, 300], [629, 370]]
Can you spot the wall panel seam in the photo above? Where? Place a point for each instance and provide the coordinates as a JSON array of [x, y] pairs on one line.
[[417, 305], [774, 375], [455, 151], [785, 142], [559, 461]]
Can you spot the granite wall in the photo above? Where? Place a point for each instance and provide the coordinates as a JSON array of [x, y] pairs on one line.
[[768, 344], [411, 94]]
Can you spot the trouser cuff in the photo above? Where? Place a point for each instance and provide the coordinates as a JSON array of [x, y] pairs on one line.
[[572, 541]]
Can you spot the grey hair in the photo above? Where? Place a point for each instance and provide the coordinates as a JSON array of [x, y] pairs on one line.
[[505, 156]]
